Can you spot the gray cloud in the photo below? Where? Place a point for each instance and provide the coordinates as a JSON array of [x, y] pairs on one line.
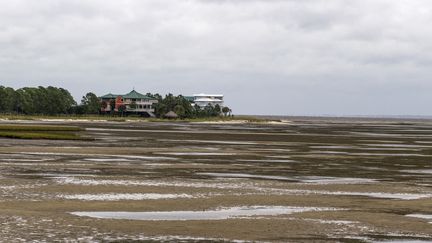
[[269, 57]]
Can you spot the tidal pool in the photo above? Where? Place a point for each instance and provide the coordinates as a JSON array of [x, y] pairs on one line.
[[302, 179], [124, 196], [335, 180], [218, 214], [399, 196], [196, 154], [426, 171], [242, 175], [422, 216]]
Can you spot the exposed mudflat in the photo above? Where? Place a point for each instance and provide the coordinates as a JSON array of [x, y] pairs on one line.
[[307, 180]]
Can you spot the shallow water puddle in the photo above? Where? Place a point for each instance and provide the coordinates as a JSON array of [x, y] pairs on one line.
[[219, 214], [306, 179], [425, 171], [337, 222], [405, 241], [335, 180], [108, 160], [124, 196], [333, 147], [196, 153], [268, 160], [248, 176], [210, 141], [383, 195], [23, 160], [319, 152], [421, 216], [279, 156], [391, 155], [60, 175], [385, 149], [396, 145], [99, 157]]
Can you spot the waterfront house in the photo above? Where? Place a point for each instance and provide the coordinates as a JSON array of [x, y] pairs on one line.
[[202, 100], [130, 103]]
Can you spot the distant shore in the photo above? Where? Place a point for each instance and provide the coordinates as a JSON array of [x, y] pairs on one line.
[[97, 118], [239, 119], [345, 118]]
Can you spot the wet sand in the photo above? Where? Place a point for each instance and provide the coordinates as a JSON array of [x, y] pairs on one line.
[[306, 180]]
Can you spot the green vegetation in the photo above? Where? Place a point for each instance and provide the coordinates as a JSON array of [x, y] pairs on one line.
[[45, 128], [75, 117], [90, 104], [40, 132], [52, 101], [41, 135], [45, 101], [40, 100], [184, 109]]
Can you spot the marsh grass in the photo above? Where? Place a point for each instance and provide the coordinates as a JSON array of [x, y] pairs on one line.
[[68, 117], [41, 132], [11, 127]]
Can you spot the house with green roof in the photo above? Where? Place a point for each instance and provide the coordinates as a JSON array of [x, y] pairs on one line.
[[132, 103]]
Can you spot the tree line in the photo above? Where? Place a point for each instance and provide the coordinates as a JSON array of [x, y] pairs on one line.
[[58, 101], [184, 108], [40, 100]]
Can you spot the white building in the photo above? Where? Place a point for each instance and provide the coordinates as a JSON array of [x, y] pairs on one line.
[[202, 100]]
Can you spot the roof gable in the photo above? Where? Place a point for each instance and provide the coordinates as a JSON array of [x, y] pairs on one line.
[[135, 95], [109, 96], [131, 95]]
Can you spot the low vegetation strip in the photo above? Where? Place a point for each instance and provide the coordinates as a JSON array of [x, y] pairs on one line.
[[40, 135], [41, 132], [8, 127]]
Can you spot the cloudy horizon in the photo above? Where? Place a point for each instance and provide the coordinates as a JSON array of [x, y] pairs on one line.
[[268, 57]]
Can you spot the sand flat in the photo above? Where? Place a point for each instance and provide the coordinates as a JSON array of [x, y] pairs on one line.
[[373, 172]]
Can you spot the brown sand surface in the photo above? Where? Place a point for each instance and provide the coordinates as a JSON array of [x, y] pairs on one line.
[[356, 181]]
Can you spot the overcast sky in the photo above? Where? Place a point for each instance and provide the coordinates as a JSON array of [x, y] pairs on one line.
[[285, 57]]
